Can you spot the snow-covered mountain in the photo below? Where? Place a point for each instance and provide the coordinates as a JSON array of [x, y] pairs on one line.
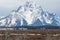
[[30, 14]]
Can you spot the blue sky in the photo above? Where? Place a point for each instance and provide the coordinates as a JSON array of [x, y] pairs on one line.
[[6, 6]]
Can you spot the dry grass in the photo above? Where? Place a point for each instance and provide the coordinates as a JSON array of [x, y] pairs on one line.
[[36, 34]]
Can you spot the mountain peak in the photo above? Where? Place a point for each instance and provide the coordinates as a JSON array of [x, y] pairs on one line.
[[29, 14]]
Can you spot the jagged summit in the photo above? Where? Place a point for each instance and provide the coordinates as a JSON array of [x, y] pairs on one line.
[[30, 14]]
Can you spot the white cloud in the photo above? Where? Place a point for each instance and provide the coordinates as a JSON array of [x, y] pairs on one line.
[[8, 3]]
